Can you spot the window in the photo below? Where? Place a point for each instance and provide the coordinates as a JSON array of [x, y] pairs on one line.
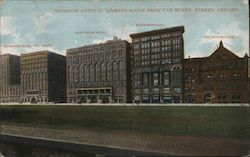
[[236, 76], [166, 61], [137, 91], [155, 90], [222, 76], [166, 90], [145, 91], [176, 76], [235, 96], [136, 52], [136, 40], [155, 50], [166, 78], [145, 39], [166, 35], [155, 98], [145, 51], [209, 77], [145, 45], [155, 79], [155, 44], [190, 79], [176, 41], [145, 79], [176, 60], [166, 42], [166, 49], [154, 62], [136, 46], [155, 56], [155, 37], [177, 90], [145, 98]]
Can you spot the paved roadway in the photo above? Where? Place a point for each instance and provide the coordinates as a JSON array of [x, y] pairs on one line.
[[133, 104], [136, 141]]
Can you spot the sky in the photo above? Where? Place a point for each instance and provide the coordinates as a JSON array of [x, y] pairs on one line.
[[57, 25]]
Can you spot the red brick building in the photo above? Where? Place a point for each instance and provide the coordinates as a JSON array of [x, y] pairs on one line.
[[220, 78]]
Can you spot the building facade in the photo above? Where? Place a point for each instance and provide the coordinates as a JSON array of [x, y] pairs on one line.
[[9, 78], [220, 78], [99, 73], [157, 58], [43, 77]]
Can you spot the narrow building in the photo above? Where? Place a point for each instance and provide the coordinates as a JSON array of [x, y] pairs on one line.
[[220, 78], [9, 78], [157, 58], [43, 77], [99, 73]]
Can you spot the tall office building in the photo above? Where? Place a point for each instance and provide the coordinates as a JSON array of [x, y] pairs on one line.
[[221, 77], [43, 77], [99, 73], [9, 78], [157, 58]]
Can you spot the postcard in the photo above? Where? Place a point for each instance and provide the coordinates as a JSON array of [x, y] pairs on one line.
[[124, 78]]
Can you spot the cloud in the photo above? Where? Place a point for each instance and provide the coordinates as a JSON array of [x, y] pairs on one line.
[[230, 35], [8, 28], [42, 22], [6, 25], [122, 33], [245, 2], [27, 49]]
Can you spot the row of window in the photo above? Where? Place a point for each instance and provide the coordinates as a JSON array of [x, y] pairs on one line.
[[144, 79], [223, 66], [79, 59], [222, 76], [97, 72], [156, 37], [165, 90], [174, 50], [232, 86], [173, 42], [157, 98], [98, 48]]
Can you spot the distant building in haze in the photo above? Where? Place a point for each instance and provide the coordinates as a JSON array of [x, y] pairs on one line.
[[9, 78]]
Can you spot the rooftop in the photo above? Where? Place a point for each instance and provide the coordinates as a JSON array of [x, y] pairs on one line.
[[170, 29]]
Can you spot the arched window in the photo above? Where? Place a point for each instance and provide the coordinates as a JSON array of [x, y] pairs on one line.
[[189, 79], [165, 78], [176, 76], [115, 70], [208, 98], [97, 72], [76, 74], [91, 72], [72, 78], [221, 76], [208, 77], [120, 71], [82, 72], [87, 73], [103, 71], [109, 71]]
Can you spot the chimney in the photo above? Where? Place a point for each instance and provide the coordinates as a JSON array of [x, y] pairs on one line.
[[115, 38], [221, 44]]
